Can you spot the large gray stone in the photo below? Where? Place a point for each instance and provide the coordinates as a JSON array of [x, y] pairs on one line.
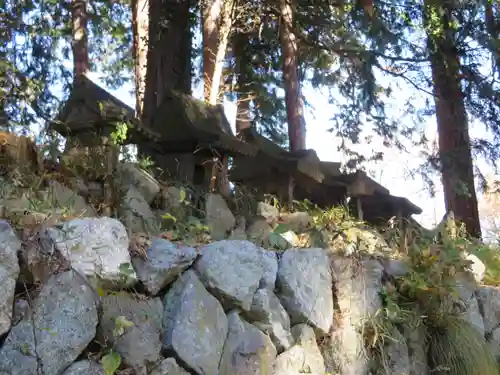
[[9, 271], [94, 247], [302, 358], [305, 287], [358, 286], [396, 360], [416, 340], [136, 213], [466, 287], [270, 266], [168, 366], [138, 341], [131, 175], [18, 355], [164, 262], [84, 367], [231, 270], [489, 300], [270, 317], [194, 324], [62, 197], [219, 217], [61, 325], [247, 351]]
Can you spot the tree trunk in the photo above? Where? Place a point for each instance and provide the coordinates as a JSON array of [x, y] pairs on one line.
[[169, 53], [140, 20], [453, 130], [294, 108], [80, 44], [243, 93], [217, 18]]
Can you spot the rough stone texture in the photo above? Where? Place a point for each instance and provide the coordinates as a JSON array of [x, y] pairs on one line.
[[219, 217], [138, 345], [164, 262], [247, 350], [305, 287], [18, 355], [194, 324], [84, 367], [234, 288], [62, 324], [358, 285], [136, 213], [489, 300], [394, 267], [239, 231], [94, 246], [21, 310], [258, 232], [416, 335], [173, 202], [270, 267], [270, 317], [263, 291], [63, 197], [304, 357], [9, 271], [168, 366], [131, 175], [397, 360], [466, 288]]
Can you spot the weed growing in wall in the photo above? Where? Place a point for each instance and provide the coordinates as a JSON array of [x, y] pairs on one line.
[[428, 295]]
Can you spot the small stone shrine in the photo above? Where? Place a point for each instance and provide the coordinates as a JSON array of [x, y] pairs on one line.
[[273, 170]]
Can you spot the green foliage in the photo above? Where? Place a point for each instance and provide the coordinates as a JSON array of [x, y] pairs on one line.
[[121, 325], [146, 163], [111, 362], [428, 296], [276, 239], [336, 219], [184, 227]]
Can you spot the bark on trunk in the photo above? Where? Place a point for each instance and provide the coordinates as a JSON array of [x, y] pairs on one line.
[[169, 52], [453, 130], [217, 22], [295, 119], [140, 22], [243, 93], [80, 46]]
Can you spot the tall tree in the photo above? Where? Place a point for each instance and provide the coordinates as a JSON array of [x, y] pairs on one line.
[[140, 19], [169, 52], [243, 83], [217, 21], [294, 104], [453, 125], [80, 42]]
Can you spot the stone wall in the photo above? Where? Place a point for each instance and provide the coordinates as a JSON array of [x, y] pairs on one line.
[[91, 295], [228, 307]]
